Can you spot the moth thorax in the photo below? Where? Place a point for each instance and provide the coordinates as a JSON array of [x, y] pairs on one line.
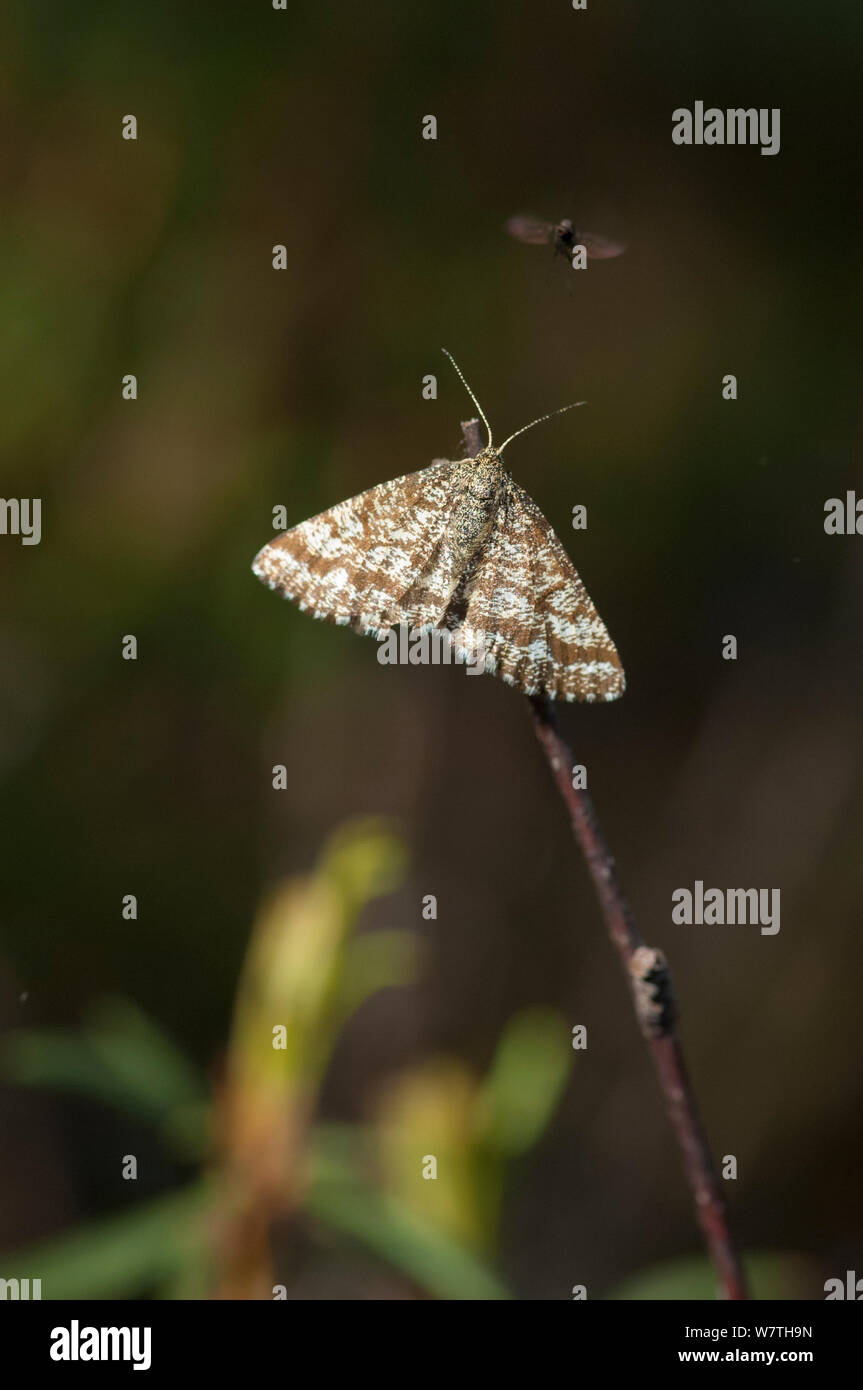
[[486, 476]]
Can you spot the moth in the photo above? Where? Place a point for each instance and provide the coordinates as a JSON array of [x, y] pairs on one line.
[[565, 238], [458, 546]]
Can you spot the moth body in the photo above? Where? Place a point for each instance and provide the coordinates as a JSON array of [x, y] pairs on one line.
[[474, 513]]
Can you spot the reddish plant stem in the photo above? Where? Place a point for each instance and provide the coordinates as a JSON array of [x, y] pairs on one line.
[[654, 1009], [650, 983]]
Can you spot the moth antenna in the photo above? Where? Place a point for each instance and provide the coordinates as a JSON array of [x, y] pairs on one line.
[[470, 393], [539, 421]]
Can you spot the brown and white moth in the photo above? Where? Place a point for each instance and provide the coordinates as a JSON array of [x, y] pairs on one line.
[[456, 546]]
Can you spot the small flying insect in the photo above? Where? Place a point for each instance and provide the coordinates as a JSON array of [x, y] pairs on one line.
[[565, 237]]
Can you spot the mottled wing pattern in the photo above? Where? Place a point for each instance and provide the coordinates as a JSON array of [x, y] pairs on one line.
[[530, 230], [523, 604], [356, 563]]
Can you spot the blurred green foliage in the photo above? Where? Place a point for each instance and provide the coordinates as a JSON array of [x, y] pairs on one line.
[[772, 1275], [119, 1057], [306, 972]]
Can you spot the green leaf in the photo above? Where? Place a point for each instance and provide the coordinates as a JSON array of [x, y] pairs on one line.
[[122, 1059], [142, 1057], [122, 1256], [524, 1084], [341, 1199], [363, 859], [374, 961]]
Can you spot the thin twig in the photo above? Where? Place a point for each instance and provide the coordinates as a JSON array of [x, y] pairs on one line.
[[650, 981]]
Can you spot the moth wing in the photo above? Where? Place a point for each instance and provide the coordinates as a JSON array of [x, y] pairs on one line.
[[356, 563], [530, 230], [523, 605]]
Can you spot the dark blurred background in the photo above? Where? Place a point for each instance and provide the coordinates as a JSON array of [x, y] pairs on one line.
[[258, 388]]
